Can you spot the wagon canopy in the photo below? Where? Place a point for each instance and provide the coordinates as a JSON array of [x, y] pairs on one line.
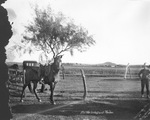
[[30, 64]]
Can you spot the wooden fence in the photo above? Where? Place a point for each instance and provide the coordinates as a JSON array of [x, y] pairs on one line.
[[15, 82]]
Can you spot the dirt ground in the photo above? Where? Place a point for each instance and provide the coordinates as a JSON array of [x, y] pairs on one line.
[[107, 99]]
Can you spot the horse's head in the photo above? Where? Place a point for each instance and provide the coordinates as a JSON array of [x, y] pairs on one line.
[[57, 63]]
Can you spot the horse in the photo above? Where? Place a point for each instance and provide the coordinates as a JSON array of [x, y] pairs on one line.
[[51, 77]]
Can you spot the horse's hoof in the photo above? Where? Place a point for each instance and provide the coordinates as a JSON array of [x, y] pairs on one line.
[[21, 101], [40, 100], [53, 103]]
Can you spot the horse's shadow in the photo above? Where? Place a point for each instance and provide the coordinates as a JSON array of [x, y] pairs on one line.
[[30, 108], [42, 107]]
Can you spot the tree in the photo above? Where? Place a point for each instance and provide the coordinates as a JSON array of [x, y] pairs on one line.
[[55, 33], [10, 54]]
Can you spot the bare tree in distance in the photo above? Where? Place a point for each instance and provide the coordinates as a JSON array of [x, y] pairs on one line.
[[54, 34]]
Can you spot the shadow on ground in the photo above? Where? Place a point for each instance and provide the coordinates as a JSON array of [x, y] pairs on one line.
[[108, 109]]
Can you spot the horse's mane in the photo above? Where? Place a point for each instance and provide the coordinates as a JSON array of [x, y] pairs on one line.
[[48, 69]]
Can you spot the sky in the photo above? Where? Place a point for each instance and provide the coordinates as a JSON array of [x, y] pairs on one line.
[[121, 28]]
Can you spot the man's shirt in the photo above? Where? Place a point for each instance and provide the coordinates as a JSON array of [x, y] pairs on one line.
[[144, 73]]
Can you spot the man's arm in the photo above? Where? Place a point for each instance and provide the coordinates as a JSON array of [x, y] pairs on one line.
[[148, 74], [140, 74]]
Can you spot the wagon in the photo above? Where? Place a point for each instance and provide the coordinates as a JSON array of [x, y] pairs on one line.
[[29, 64]]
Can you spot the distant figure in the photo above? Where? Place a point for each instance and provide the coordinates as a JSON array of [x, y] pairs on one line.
[[144, 76]]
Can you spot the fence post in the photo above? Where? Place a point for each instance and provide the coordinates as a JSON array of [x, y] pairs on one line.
[[126, 71], [84, 84], [63, 71], [130, 72]]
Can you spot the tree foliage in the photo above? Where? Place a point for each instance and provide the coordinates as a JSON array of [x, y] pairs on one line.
[[55, 33]]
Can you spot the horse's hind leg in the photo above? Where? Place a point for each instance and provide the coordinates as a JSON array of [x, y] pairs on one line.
[[24, 87], [30, 87], [34, 90]]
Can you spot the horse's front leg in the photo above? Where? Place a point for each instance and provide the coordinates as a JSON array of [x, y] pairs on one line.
[[52, 93], [54, 84], [34, 90]]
